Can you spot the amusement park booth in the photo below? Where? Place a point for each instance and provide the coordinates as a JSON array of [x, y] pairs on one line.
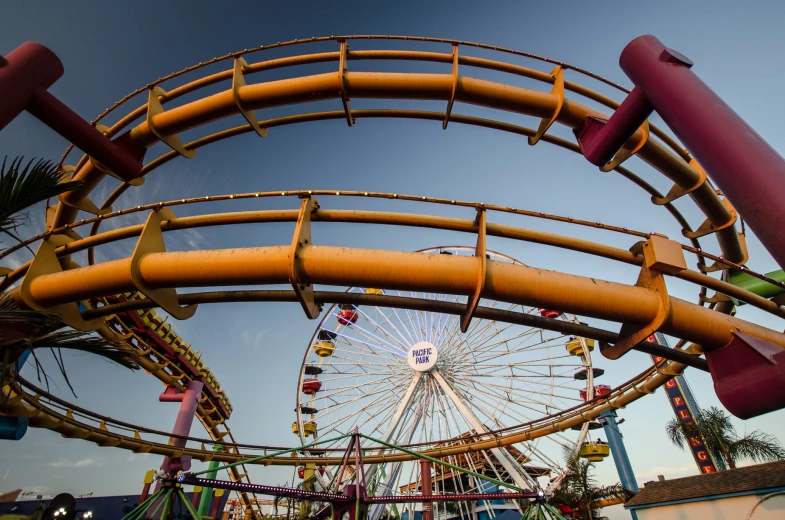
[[752, 493]]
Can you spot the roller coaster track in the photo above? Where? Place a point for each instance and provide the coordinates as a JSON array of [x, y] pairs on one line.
[[44, 411]]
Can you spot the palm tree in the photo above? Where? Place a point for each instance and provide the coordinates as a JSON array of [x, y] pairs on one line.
[[31, 330], [721, 439], [579, 490]]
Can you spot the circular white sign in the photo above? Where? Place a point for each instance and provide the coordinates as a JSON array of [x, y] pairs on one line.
[[422, 357]]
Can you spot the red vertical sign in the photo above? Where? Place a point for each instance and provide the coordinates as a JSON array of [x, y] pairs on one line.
[[685, 412]]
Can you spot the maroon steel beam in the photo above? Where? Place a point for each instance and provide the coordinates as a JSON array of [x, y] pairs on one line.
[[25, 74], [747, 170], [427, 489]]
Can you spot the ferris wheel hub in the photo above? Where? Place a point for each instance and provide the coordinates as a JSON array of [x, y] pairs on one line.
[[422, 356]]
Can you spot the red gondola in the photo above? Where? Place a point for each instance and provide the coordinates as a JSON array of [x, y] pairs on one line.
[[549, 313], [311, 386], [347, 315], [599, 391]]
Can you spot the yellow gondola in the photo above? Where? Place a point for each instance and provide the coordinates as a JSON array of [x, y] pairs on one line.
[[309, 428], [594, 451], [374, 291], [575, 347], [324, 348]]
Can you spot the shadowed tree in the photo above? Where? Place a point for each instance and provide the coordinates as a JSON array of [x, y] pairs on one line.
[[30, 330], [580, 491], [722, 441], [21, 188]]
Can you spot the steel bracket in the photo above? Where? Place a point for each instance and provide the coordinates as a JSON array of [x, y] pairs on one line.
[[238, 80], [342, 68], [155, 108], [152, 241], [630, 334], [302, 239], [558, 90], [46, 262], [479, 252], [708, 227], [717, 266], [454, 86], [143, 448], [717, 298], [138, 181], [625, 153], [678, 191], [133, 182], [85, 204]]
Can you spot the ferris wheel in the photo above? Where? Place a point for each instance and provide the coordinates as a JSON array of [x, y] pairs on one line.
[[411, 377]]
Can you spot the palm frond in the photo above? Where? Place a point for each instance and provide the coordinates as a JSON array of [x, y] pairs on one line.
[[758, 447], [24, 186], [75, 340], [32, 320], [674, 429]]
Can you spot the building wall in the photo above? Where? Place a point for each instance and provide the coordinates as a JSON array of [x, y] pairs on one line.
[[769, 507]]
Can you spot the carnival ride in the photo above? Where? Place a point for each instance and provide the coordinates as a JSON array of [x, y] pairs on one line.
[[741, 355], [411, 377]]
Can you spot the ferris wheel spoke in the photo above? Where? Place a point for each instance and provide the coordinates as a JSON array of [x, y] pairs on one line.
[[393, 342], [485, 348], [475, 396], [528, 379], [361, 347], [345, 375], [481, 356], [526, 395], [413, 333], [359, 330], [384, 393], [497, 355], [457, 339], [345, 394], [403, 340], [350, 400]]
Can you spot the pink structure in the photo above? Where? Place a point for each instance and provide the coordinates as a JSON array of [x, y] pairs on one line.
[[747, 170], [25, 74], [182, 426]]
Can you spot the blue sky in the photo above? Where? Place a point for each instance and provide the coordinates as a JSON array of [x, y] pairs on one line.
[[109, 50]]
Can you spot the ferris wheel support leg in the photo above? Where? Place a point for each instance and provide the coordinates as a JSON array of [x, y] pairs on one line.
[[619, 451], [520, 481]]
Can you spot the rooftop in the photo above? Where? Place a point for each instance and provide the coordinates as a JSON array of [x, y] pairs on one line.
[[740, 480]]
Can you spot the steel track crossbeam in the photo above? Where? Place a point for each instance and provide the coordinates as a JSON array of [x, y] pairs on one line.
[[336, 498]]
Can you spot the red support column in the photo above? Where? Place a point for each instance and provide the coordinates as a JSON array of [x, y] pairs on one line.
[[427, 489]]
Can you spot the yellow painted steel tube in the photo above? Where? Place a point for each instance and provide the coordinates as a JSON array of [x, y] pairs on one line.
[[407, 86], [406, 219], [403, 271]]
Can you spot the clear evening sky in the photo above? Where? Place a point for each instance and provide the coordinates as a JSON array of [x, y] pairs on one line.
[[111, 48]]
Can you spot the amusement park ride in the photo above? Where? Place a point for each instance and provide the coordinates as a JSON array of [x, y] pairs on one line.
[[448, 374]]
